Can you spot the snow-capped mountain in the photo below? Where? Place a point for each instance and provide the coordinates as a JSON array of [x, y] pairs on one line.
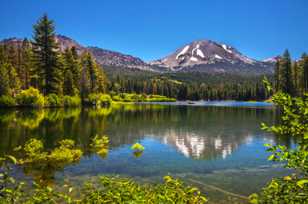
[[212, 57]]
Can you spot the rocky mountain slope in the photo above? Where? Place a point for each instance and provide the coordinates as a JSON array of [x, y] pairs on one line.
[[103, 57]]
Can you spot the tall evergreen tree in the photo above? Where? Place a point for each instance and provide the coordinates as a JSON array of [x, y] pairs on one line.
[[4, 79], [14, 81], [102, 82], [46, 56], [72, 64], [296, 78], [286, 74], [12, 55], [97, 78], [27, 66], [305, 72], [68, 84], [277, 76], [3, 54], [84, 80], [92, 72]]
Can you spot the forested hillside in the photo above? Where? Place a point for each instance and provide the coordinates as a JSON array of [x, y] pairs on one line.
[[291, 76], [40, 64]]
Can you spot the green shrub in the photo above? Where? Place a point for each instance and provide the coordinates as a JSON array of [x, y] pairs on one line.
[[137, 147], [71, 101], [282, 190], [100, 99], [122, 190], [117, 98], [100, 145], [53, 100], [30, 97], [292, 123], [105, 99], [158, 98], [41, 164], [7, 101], [131, 97]]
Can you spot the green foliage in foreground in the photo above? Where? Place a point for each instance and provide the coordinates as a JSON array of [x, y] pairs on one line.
[[293, 123], [42, 164], [118, 190], [107, 190], [35, 156]]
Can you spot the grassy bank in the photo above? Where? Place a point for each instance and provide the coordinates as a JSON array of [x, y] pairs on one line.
[[33, 98]]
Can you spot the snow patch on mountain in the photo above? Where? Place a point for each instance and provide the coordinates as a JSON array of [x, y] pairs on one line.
[[271, 60], [217, 56], [194, 59], [185, 49], [193, 50], [200, 53], [225, 47]]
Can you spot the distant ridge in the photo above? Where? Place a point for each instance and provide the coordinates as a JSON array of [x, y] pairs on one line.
[[203, 56]]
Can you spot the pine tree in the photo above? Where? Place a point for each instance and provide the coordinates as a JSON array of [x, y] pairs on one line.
[[27, 66], [75, 53], [72, 64], [46, 56], [84, 81], [4, 79], [14, 81], [305, 72], [277, 76], [12, 55], [90, 67], [102, 82], [68, 85], [97, 78], [3, 54], [286, 74], [296, 78]]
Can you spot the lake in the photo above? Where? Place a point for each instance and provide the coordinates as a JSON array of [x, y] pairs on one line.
[[218, 147]]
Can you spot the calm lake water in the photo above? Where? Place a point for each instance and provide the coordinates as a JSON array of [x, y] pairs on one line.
[[218, 147]]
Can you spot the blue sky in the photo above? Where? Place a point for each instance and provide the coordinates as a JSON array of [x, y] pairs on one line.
[[153, 29]]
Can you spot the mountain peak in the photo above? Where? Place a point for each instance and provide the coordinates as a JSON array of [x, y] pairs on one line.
[[204, 52], [210, 56]]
